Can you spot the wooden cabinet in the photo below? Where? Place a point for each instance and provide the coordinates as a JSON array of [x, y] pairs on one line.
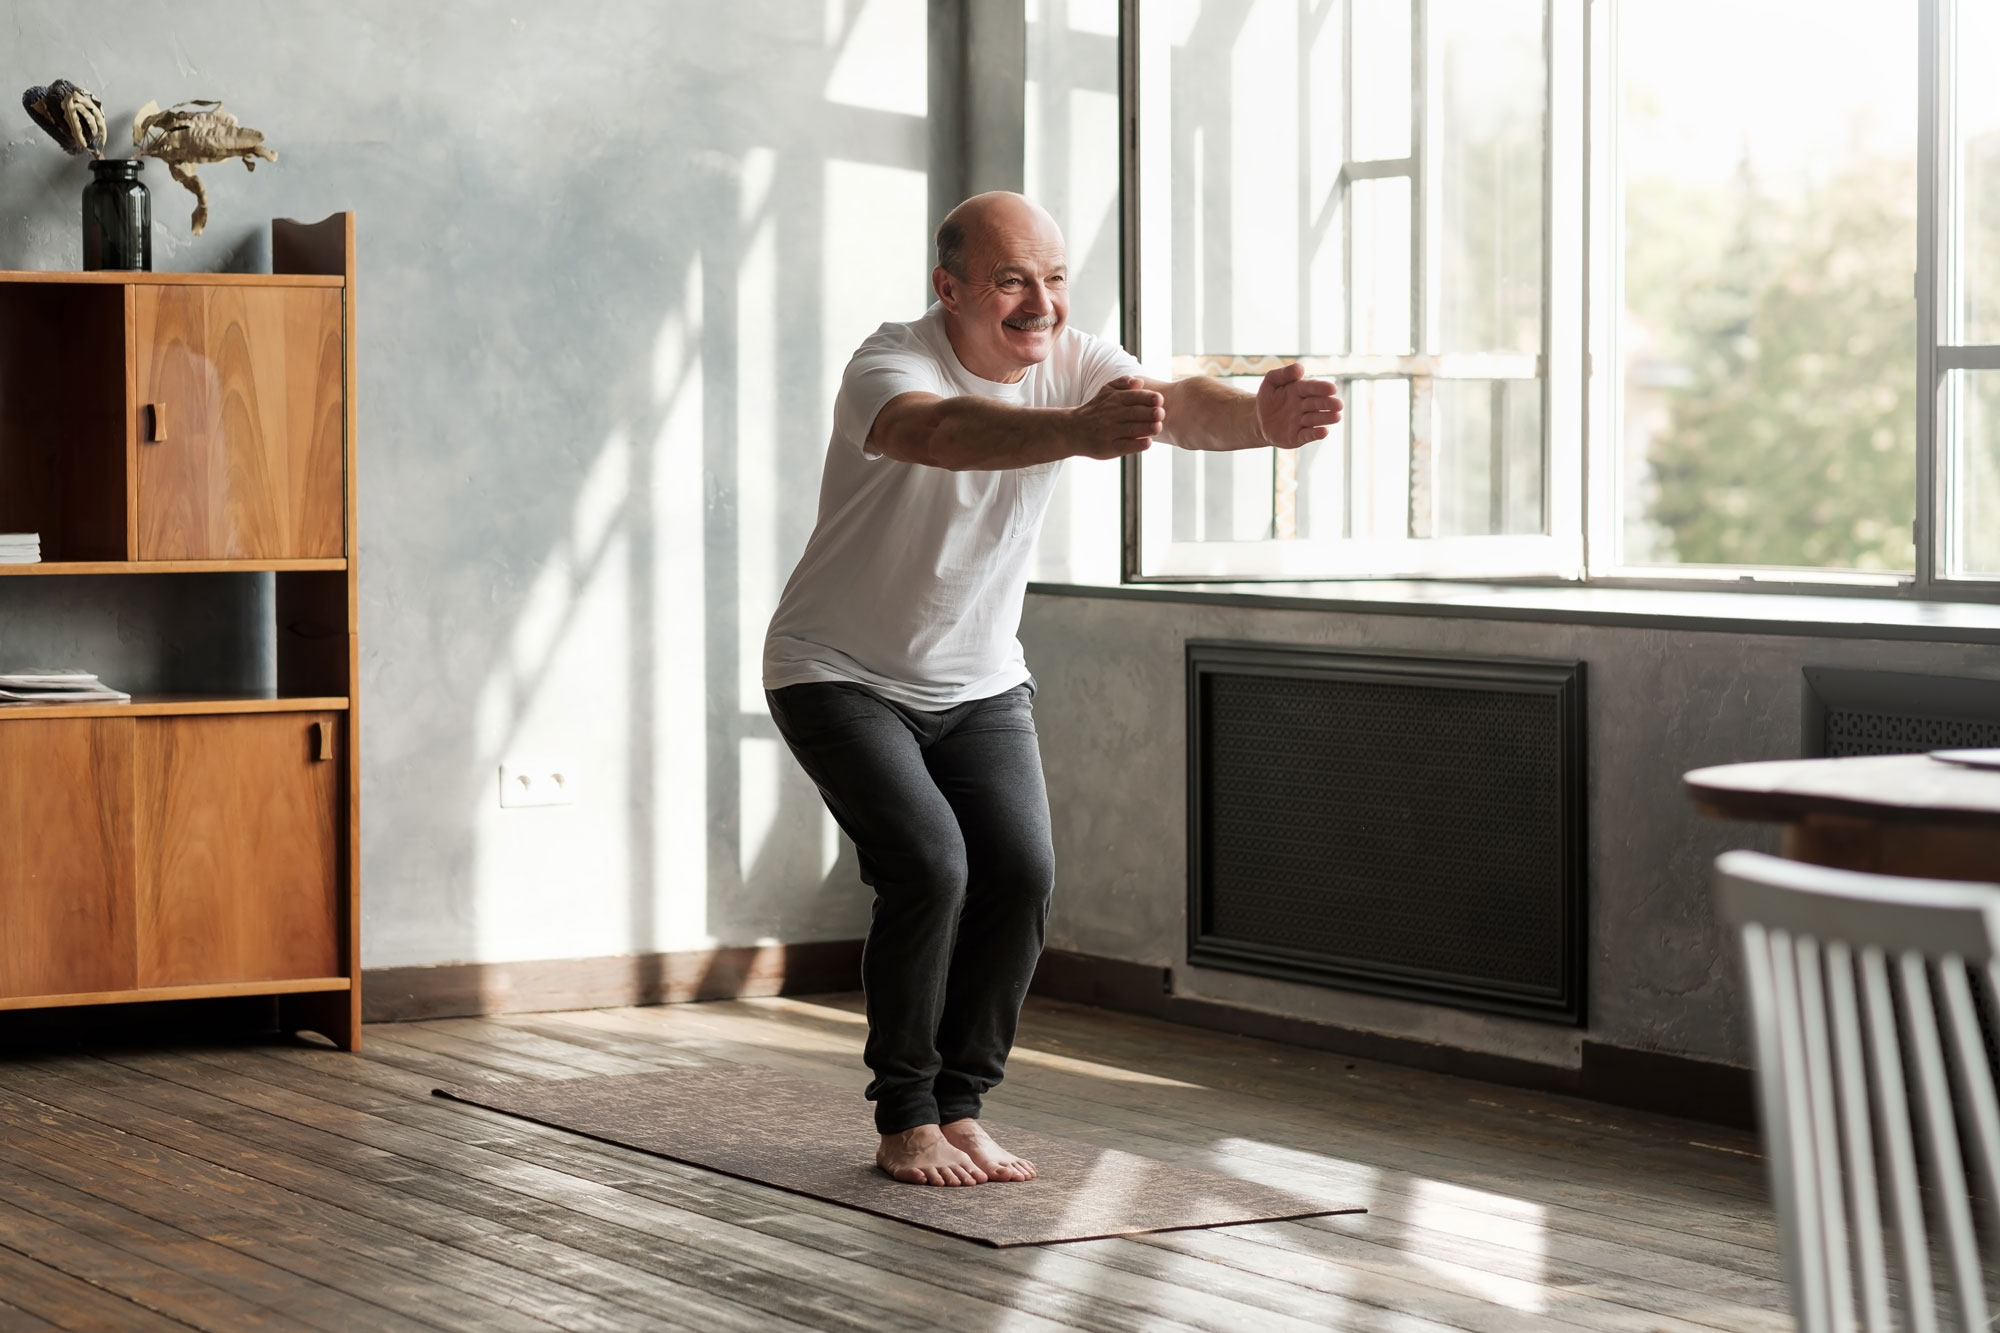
[[237, 848], [203, 844], [237, 412], [66, 877]]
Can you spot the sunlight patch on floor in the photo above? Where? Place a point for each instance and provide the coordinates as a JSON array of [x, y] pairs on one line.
[[1338, 1179], [1515, 1225]]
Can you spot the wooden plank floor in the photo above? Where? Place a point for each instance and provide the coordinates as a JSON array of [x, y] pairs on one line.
[[287, 1186]]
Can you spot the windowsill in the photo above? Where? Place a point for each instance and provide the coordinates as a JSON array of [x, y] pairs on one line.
[[1817, 615]]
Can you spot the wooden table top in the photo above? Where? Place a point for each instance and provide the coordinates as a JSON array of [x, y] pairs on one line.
[[1899, 787]]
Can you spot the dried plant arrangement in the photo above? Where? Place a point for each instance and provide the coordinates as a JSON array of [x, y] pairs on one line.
[[184, 136], [73, 116], [191, 134]]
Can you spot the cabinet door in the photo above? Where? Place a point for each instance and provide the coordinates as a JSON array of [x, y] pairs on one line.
[[66, 855], [238, 854], [237, 393]]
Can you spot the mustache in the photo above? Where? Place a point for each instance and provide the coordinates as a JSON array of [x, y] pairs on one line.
[[1031, 324]]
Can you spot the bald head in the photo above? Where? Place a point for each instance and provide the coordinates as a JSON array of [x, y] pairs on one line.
[[975, 224], [1003, 280]]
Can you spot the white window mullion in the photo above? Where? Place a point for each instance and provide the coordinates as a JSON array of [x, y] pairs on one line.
[[1563, 290], [1937, 139], [1604, 281]]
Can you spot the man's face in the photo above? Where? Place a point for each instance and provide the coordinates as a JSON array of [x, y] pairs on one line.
[[1014, 297]]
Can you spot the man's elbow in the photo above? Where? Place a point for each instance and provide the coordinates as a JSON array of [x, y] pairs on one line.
[[924, 443]]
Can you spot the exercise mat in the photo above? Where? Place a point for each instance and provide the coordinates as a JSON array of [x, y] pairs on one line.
[[812, 1138]]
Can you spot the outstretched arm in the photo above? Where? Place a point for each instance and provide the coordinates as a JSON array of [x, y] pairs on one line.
[[1287, 410], [970, 434]]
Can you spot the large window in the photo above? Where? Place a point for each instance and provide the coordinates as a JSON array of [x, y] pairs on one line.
[[1610, 291]]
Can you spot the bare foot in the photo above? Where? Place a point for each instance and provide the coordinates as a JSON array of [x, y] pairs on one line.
[[921, 1156], [998, 1164]]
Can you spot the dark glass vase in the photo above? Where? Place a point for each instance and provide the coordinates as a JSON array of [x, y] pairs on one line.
[[117, 217]]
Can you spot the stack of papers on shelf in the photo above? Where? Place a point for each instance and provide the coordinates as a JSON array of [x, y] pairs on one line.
[[20, 548], [56, 687]]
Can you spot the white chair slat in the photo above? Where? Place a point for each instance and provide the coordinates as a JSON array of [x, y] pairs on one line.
[[1941, 1138], [1809, 1233], [1825, 1142], [1885, 1057], [1857, 1138], [1975, 1080]]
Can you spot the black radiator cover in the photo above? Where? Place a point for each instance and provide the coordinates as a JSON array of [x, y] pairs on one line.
[[1410, 826], [1851, 712]]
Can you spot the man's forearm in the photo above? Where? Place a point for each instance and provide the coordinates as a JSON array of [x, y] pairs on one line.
[[972, 434], [1204, 413]]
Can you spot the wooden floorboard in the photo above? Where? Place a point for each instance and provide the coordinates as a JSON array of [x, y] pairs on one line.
[[285, 1186]]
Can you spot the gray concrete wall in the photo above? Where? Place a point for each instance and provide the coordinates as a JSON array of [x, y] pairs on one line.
[[1660, 702], [612, 257]]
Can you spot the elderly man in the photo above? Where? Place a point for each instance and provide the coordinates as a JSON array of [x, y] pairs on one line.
[[892, 666]]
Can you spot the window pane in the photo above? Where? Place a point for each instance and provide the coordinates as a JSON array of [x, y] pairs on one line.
[[1381, 79], [1974, 396], [1979, 183], [1239, 129], [1768, 335], [1378, 463], [1489, 457], [1321, 498], [1223, 497], [1491, 137], [1381, 213]]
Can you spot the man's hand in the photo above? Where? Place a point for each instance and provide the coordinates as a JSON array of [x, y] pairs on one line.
[[1293, 410], [1122, 419]]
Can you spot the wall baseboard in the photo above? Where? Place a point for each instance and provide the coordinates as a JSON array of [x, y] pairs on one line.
[[463, 990], [1678, 1085]]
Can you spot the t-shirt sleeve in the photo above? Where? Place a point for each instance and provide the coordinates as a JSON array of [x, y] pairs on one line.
[[1098, 362], [890, 363]]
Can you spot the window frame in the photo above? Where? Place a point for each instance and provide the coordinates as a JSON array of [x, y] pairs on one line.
[[1582, 284]]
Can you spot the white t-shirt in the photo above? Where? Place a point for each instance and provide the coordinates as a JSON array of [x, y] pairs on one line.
[[913, 580]]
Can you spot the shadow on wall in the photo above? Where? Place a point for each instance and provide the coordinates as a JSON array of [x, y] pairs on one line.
[[736, 265], [611, 264]]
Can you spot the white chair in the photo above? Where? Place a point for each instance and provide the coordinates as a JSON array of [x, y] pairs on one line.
[[1844, 972]]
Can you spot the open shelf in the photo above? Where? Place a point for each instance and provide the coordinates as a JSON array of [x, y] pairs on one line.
[[180, 705], [126, 279], [211, 991], [328, 564]]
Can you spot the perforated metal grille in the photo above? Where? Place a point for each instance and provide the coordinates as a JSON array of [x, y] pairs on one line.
[[1409, 827], [1872, 731]]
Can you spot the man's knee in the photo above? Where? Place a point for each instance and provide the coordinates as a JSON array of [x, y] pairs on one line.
[[931, 872], [1023, 871]]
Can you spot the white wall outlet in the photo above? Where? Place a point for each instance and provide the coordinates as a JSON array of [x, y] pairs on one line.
[[537, 782]]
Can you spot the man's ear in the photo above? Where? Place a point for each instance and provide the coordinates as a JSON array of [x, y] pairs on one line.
[[947, 293]]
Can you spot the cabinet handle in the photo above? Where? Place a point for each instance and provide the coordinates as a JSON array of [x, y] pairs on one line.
[[322, 741], [156, 423]]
